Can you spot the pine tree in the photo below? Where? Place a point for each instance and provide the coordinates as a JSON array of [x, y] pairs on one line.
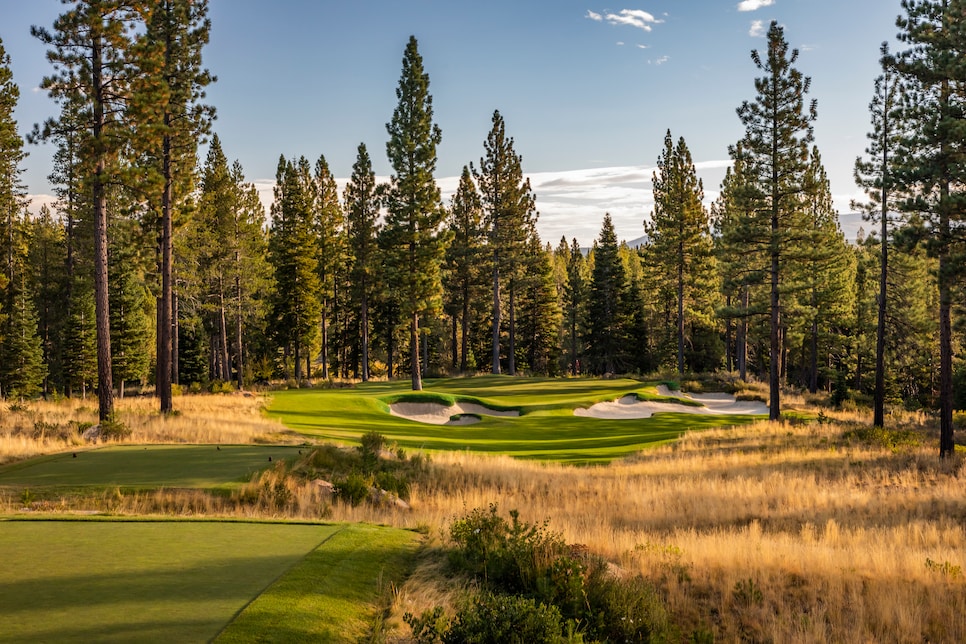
[[826, 277], [679, 242], [170, 125], [329, 224], [607, 310], [362, 228], [778, 131], [932, 159], [293, 250], [131, 328], [874, 174], [47, 261], [91, 49], [465, 278], [574, 301], [414, 209], [540, 310], [22, 368], [508, 206]]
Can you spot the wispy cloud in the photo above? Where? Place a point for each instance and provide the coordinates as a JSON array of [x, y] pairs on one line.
[[662, 60], [754, 5], [757, 29], [636, 18]]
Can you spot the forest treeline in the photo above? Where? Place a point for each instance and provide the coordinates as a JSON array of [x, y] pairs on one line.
[[157, 267]]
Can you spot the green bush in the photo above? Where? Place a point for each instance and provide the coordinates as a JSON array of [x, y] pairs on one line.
[[492, 619], [353, 489], [505, 619], [114, 430]]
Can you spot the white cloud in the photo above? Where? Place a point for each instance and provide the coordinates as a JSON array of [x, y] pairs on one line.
[[620, 43], [757, 29], [754, 5], [636, 18], [642, 46], [662, 60]]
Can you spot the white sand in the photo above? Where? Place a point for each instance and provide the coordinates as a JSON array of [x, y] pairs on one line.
[[629, 407], [439, 414]]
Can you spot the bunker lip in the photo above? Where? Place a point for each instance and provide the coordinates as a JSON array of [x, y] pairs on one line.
[[460, 413], [629, 407]]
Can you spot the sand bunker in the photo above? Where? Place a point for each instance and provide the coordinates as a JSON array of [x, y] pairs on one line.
[[629, 407], [439, 414]]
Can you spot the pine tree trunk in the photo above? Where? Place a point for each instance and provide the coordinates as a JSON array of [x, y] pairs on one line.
[[496, 313], [365, 333], [681, 308], [775, 354], [464, 331], [729, 332], [417, 380], [167, 268], [742, 340], [878, 414], [454, 346], [239, 355], [947, 446], [105, 376], [175, 330], [324, 354], [512, 350], [813, 359], [223, 357]]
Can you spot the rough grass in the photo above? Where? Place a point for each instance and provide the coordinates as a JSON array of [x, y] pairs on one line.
[[40, 427]]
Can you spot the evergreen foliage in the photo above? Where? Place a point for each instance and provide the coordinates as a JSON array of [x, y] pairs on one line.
[[778, 131], [411, 232], [362, 228], [607, 305]]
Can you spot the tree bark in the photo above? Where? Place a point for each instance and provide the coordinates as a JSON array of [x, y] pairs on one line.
[[105, 377]]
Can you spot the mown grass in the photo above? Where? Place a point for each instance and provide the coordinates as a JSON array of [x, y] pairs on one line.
[[547, 429], [336, 594], [99, 581], [145, 467]]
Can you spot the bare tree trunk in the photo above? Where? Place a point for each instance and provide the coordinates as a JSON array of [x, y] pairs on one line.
[[681, 308], [464, 332], [512, 349], [365, 332], [165, 346], [105, 376], [496, 311], [417, 381], [324, 353], [175, 330], [239, 357]]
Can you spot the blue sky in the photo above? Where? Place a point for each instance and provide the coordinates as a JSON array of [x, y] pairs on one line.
[[586, 89]]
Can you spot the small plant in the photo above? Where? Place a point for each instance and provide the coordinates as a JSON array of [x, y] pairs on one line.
[[353, 489], [26, 498], [748, 593], [946, 569], [113, 429]]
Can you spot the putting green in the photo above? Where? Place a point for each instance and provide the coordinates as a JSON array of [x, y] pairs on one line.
[[152, 466], [162, 581], [546, 430]]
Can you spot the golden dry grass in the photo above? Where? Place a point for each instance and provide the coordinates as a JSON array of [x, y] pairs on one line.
[[40, 427]]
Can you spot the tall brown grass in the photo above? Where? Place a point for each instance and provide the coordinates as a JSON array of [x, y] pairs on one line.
[[42, 427]]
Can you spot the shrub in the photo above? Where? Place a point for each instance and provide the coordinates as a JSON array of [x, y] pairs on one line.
[[113, 429], [353, 489], [492, 619]]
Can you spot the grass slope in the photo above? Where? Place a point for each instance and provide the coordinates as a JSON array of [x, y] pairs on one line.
[[333, 594], [142, 467], [107, 581], [547, 430]]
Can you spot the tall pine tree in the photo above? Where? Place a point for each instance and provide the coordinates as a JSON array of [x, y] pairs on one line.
[[778, 131], [414, 210]]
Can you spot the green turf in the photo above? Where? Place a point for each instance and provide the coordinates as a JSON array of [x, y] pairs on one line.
[[329, 596], [136, 467], [99, 581], [547, 430]]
